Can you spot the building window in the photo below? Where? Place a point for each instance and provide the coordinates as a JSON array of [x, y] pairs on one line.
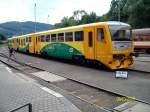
[[69, 36], [53, 37], [90, 39], [47, 38], [61, 37], [100, 34], [79, 36]]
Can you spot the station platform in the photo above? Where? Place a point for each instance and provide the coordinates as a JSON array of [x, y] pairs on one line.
[[143, 59], [16, 91], [141, 65]]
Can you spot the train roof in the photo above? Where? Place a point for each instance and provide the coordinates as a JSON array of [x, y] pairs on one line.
[[79, 27]]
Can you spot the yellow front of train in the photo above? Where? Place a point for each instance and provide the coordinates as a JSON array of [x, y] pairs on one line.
[[122, 45]]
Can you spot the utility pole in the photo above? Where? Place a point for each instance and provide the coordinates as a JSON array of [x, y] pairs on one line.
[[48, 19], [35, 17], [118, 10]]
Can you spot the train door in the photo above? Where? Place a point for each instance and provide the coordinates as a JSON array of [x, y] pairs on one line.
[[36, 45], [14, 43], [102, 44], [89, 43]]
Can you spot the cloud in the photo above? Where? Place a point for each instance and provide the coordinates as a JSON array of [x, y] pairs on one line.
[[23, 10], [66, 8], [12, 10]]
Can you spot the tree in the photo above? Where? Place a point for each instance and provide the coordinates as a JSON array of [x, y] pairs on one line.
[[2, 37], [78, 14], [134, 12], [139, 13]]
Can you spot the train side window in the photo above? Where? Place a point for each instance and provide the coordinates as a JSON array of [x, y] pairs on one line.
[[69, 36], [53, 37], [61, 37], [29, 39], [24, 41], [39, 39], [42, 38], [47, 38], [90, 39], [100, 34], [79, 36]]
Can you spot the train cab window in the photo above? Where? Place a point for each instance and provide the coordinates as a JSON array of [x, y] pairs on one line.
[[100, 34], [53, 37], [29, 39], [61, 37], [69, 36], [79, 36], [47, 38], [42, 38], [90, 39]]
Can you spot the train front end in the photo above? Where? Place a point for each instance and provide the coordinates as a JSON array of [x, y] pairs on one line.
[[122, 45]]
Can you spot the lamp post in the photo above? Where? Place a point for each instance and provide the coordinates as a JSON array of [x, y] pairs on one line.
[[35, 17]]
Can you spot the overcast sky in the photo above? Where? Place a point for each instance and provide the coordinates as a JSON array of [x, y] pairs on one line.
[[23, 10]]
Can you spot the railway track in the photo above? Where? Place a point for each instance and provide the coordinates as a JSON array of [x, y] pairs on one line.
[[91, 95]]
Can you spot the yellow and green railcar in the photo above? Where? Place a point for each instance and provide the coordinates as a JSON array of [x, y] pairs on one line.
[[109, 43]]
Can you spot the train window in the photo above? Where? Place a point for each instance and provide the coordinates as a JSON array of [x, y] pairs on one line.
[[47, 38], [69, 36], [100, 34], [24, 41], [39, 39], [29, 39], [61, 37], [79, 36], [42, 38], [90, 39], [53, 37]]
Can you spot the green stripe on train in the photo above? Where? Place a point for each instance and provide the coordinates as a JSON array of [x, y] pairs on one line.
[[24, 49], [60, 50]]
